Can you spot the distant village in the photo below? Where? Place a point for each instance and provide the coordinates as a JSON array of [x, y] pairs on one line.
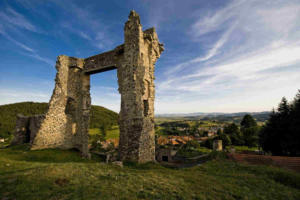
[[190, 128], [179, 139]]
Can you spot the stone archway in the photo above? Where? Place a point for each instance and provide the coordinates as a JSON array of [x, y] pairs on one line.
[[66, 122]]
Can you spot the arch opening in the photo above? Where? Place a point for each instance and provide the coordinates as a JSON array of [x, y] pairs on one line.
[[104, 130]]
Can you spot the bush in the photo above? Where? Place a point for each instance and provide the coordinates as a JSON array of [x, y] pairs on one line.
[[250, 136], [217, 155], [233, 131], [192, 144], [208, 143], [225, 140]]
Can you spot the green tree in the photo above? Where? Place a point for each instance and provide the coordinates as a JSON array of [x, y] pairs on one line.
[[293, 138], [193, 130], [284, 108], [192, 144], [103, 131], [250, 131], [281, 134], [233, 131], [226, 141], [248, 121], [250, 136], [269, 137]]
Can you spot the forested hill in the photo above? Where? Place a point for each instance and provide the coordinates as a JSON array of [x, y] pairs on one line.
[[100, 116]]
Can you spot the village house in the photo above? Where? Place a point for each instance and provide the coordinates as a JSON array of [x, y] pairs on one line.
[[165, 154], [173, 140]]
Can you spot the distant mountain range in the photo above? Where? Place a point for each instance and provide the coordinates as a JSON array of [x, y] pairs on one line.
[[213, 114], [259, 116]]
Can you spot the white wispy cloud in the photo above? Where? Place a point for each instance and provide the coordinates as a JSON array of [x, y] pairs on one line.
[[28, 50], [95, 31], [23, 46], [75, 18], [254, 62], [10, 16], [245, 54], [213, 51], [265, 38], [84, 35], [71, 28], [106, 96], [214, 21], [10, 23], [43, 59]]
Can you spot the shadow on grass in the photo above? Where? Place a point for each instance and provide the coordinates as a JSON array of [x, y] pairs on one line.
[[143, 166], [23, 153], [7, 173], [279, 175], [282, 176]]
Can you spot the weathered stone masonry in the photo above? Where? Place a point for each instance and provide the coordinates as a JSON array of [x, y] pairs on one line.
[[66, 122], [26, 128]]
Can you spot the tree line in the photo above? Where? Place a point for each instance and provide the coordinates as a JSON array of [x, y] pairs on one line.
[[281, 134], [247, 134]]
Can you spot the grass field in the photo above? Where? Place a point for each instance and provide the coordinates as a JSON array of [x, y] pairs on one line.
[[194, 152], [159, 120], [243, 148], [114, 132], [57, 174]]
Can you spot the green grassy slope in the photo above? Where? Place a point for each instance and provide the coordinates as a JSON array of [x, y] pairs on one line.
[[112, 133], [57, 174], [100, 116]]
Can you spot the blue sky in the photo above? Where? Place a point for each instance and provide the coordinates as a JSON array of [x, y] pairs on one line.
[[220, 55]]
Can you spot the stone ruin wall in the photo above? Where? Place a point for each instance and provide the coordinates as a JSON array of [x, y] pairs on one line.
[[26, 128], [66, 123], [136, 86]]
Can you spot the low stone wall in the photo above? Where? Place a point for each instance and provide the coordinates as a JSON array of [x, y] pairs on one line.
[[165, 155], [26, 128], [217, 145]]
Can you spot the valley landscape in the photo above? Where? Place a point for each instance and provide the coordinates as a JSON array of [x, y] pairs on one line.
[[64, 174], [149, 100]]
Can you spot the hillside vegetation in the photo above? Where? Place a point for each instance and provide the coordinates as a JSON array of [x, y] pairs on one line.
[[280, 135], [100, 116], [57, 174]]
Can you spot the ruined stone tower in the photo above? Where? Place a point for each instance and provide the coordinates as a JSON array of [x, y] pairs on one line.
[[66, 122]]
